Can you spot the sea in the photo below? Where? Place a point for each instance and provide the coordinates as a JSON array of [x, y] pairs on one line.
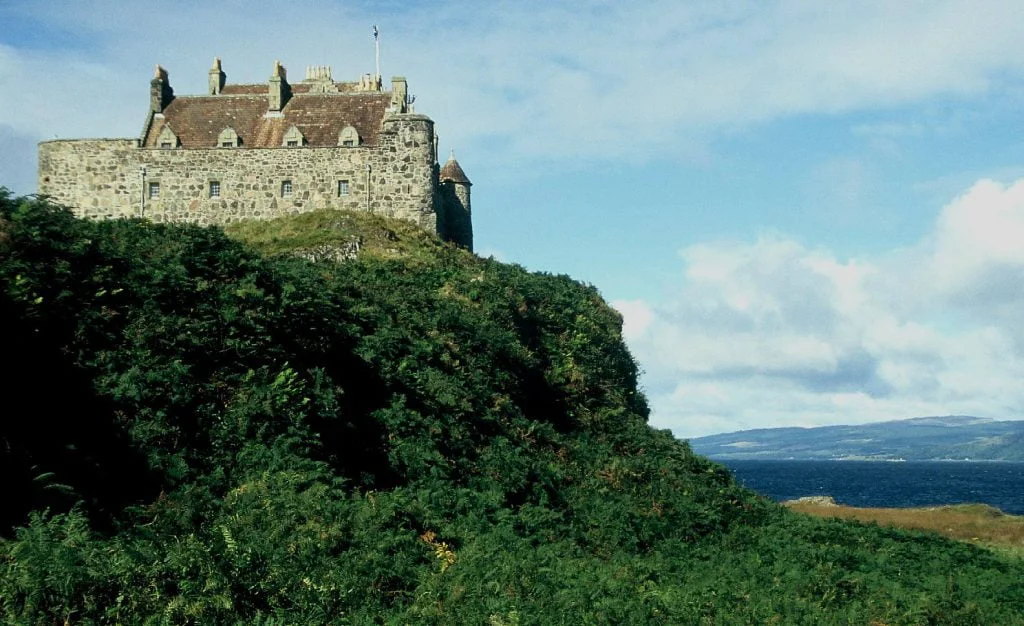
[[888, 484]]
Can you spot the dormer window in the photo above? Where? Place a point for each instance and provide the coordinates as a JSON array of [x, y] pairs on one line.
[[167, 139], [293, 138], [228, 138], [348, 137]]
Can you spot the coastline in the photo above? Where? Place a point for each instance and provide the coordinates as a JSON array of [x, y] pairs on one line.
[[887, 485], [851, 459]]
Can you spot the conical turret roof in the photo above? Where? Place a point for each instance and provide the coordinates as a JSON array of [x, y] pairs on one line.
[[453, 172]]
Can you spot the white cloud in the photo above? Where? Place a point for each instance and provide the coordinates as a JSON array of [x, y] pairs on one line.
[[978, 239], [63, 96], [533, 81], [775, 333], [636, 317]]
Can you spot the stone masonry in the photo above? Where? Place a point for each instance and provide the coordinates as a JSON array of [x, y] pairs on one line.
[[258, 152]]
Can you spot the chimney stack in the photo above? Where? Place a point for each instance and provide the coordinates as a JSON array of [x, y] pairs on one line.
[[399, 94], [279, 89], [217, 78], [160, 92]]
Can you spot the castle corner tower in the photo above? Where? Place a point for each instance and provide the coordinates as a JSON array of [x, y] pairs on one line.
[[455, 198]]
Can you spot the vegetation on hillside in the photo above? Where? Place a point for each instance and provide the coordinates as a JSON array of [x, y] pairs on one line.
[[976, 523], [197, 432], [339, 235]]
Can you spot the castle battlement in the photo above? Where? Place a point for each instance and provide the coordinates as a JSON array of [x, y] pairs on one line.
[[258, 151]]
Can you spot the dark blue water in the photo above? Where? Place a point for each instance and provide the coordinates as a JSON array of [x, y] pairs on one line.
[[879, 484]]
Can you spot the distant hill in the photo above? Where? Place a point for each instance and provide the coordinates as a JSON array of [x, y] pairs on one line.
[[952, 437]]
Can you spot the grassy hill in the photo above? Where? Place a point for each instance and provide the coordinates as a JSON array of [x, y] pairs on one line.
[[208, 430]]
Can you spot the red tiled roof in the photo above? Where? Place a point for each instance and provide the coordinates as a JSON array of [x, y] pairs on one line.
[[199, 120], [244, 90], [261, 88]]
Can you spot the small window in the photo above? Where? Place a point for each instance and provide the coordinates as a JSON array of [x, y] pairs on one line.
[[214, 188], [286, 188], [342, 187], [292, 143], [227, 144], [166, 145], [154, 190]]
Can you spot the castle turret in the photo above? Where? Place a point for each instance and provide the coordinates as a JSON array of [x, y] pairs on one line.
[[455, 199], [160, 92], [217, 78], [280, 91]]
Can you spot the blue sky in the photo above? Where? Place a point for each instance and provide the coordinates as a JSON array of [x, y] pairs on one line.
[[808, 212]]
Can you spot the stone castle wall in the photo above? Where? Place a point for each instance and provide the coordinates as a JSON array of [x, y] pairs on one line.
[[102, 178]]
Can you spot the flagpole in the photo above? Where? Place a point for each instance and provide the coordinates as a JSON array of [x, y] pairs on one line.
[[376, 47]]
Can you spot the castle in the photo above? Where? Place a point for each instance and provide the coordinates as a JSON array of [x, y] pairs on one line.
[[266, 150]]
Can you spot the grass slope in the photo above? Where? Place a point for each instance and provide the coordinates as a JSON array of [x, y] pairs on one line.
[[198, 432], [326, 235], [975, 523]]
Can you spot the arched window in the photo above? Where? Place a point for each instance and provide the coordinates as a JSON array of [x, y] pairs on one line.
[[293, 138], [228, 138], [348, 137], [167, 138]]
